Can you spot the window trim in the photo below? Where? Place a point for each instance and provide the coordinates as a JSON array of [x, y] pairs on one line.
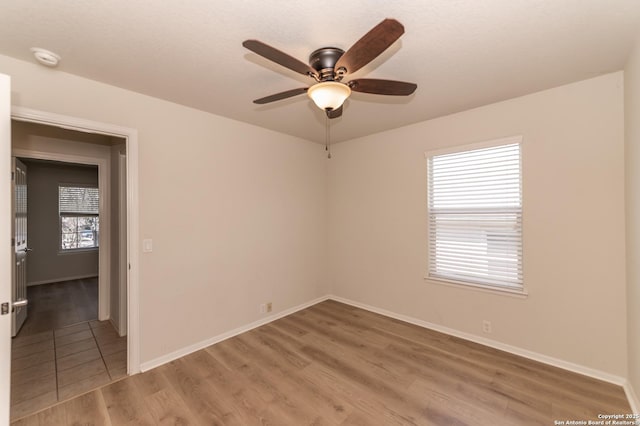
[[469, 285], [478, 287]]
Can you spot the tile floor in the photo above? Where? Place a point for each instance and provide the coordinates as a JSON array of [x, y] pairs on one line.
[[55, 365]]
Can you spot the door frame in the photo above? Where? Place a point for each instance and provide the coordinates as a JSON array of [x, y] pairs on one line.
[[131, 140], [122, 241], [6, 265]]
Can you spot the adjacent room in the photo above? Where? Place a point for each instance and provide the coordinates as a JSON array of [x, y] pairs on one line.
[[355, 214]]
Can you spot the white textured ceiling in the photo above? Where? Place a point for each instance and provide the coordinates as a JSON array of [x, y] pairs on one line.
[[461, 53]]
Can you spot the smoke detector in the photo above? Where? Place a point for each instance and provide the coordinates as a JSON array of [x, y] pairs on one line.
[[45, 57]]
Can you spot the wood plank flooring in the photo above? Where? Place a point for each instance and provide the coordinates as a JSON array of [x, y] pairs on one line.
[[333, 364]]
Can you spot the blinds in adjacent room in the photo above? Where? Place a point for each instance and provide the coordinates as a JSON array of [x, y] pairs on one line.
[[475, 217], [78, 200]]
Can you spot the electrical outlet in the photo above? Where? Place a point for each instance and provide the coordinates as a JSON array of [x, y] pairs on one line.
[[265, 307], [486, 326]]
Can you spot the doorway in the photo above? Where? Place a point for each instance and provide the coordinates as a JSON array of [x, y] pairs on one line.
[[58, 237], [84, 336]]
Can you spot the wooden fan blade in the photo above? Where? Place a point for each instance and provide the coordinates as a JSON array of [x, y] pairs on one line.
[[383, 87], [281, 95], [335, 113], [278, 57], [371, 45]]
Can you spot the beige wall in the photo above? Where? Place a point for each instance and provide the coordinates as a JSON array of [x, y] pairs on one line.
[[573, 224], [632, 167], [46, 139], [46, 263], [237, 213]]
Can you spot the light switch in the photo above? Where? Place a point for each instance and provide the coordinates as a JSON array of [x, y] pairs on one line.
[[147, 245]]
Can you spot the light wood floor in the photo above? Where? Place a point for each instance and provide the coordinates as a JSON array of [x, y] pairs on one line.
[[51, 362], [333, 364]]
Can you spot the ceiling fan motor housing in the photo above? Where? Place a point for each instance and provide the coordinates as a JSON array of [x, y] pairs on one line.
[[324, 60]]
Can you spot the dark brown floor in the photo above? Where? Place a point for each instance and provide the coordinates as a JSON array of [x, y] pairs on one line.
[[53, 364], [333, 364], [61, 304]]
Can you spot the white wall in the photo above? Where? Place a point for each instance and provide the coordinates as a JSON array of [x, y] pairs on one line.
[[632, 168], [573, 224], [236, 213]]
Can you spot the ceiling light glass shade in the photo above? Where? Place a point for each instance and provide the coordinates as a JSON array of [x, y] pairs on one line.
[[329, 95]]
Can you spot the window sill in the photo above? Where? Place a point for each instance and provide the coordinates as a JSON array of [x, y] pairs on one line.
[[520, 294], [78, 251]]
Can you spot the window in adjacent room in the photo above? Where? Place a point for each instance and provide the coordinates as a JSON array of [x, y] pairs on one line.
[[79, 221], [475, 215]]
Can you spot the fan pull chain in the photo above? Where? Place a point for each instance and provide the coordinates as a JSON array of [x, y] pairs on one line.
[[327, 136]]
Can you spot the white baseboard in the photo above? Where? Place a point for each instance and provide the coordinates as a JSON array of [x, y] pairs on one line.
[[148, 365], [566, 365], [121, 333], [62, 279], [634, 402]]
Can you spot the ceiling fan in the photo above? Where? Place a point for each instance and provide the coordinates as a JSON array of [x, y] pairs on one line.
[[328, 66]]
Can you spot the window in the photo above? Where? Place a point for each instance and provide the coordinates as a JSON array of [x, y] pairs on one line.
[[79, 221], [475, 215]]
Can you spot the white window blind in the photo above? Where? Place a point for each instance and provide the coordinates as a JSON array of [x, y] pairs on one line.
[[78, 200], [475, 217]]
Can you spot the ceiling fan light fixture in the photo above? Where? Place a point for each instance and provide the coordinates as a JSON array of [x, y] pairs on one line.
[[329, 95]]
